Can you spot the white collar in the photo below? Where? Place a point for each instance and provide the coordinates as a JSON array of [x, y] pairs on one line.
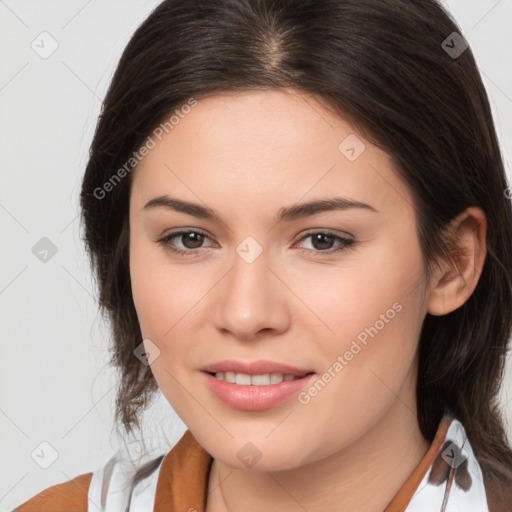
[[454, 482]]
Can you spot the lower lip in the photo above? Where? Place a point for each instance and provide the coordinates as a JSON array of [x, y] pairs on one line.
[[255, 398]]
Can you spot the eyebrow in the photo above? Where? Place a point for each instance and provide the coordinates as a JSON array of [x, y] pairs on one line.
[[285, 214]]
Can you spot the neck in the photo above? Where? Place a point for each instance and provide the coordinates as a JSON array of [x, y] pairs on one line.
[[364, 476]]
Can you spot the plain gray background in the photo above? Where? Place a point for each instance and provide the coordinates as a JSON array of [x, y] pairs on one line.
[[56, 387]]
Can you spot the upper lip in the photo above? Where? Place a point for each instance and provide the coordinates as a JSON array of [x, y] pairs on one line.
[[255, 368]]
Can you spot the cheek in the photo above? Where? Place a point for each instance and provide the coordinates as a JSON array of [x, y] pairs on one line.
[[162, 300], [373, 310], [368, 364], [162, 294], [160, 303], [372, 294], [150, 299]]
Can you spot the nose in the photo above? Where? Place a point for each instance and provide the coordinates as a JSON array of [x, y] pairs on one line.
[[251, 302]]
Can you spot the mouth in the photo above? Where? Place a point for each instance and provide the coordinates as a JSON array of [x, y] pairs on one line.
[[263, 379], [255, 386], [260, 368]]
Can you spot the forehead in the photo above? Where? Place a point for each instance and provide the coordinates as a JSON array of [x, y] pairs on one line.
[[262, 148]]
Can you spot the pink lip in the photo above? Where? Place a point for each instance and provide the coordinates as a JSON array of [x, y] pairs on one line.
[[255, 398], [255, 368]]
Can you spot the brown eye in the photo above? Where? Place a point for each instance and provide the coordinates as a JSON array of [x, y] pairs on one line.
[[190, 242], [323, 242], [192, 239]]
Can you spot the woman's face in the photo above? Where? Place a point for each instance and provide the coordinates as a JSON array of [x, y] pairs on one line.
[[266, 279]]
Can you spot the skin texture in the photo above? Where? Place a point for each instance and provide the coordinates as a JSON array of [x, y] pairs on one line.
[[247, 155]]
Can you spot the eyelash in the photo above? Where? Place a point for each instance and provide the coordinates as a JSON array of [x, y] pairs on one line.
[[346, 243]]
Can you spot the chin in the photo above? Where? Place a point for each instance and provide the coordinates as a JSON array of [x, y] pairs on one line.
[[270, 455]]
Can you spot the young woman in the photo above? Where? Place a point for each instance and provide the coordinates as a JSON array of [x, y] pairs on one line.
[[300, 224]]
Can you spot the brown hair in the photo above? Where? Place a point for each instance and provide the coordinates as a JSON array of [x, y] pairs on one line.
[[381, 65]]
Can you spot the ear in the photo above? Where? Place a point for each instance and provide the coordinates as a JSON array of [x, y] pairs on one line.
[[454, 281]]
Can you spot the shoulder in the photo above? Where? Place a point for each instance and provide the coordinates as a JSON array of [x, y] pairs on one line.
[[68, 496], [115, 485]]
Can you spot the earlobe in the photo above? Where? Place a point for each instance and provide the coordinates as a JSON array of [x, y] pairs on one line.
[[457, 278]]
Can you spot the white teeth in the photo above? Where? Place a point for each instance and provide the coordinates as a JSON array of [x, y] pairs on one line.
[[261, 380], [276, 378], [244, 379], [229, 377]]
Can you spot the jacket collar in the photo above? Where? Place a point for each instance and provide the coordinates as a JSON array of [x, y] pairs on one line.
[[447, 479]]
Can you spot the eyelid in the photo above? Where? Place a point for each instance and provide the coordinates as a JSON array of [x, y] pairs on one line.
[[326, 231]]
